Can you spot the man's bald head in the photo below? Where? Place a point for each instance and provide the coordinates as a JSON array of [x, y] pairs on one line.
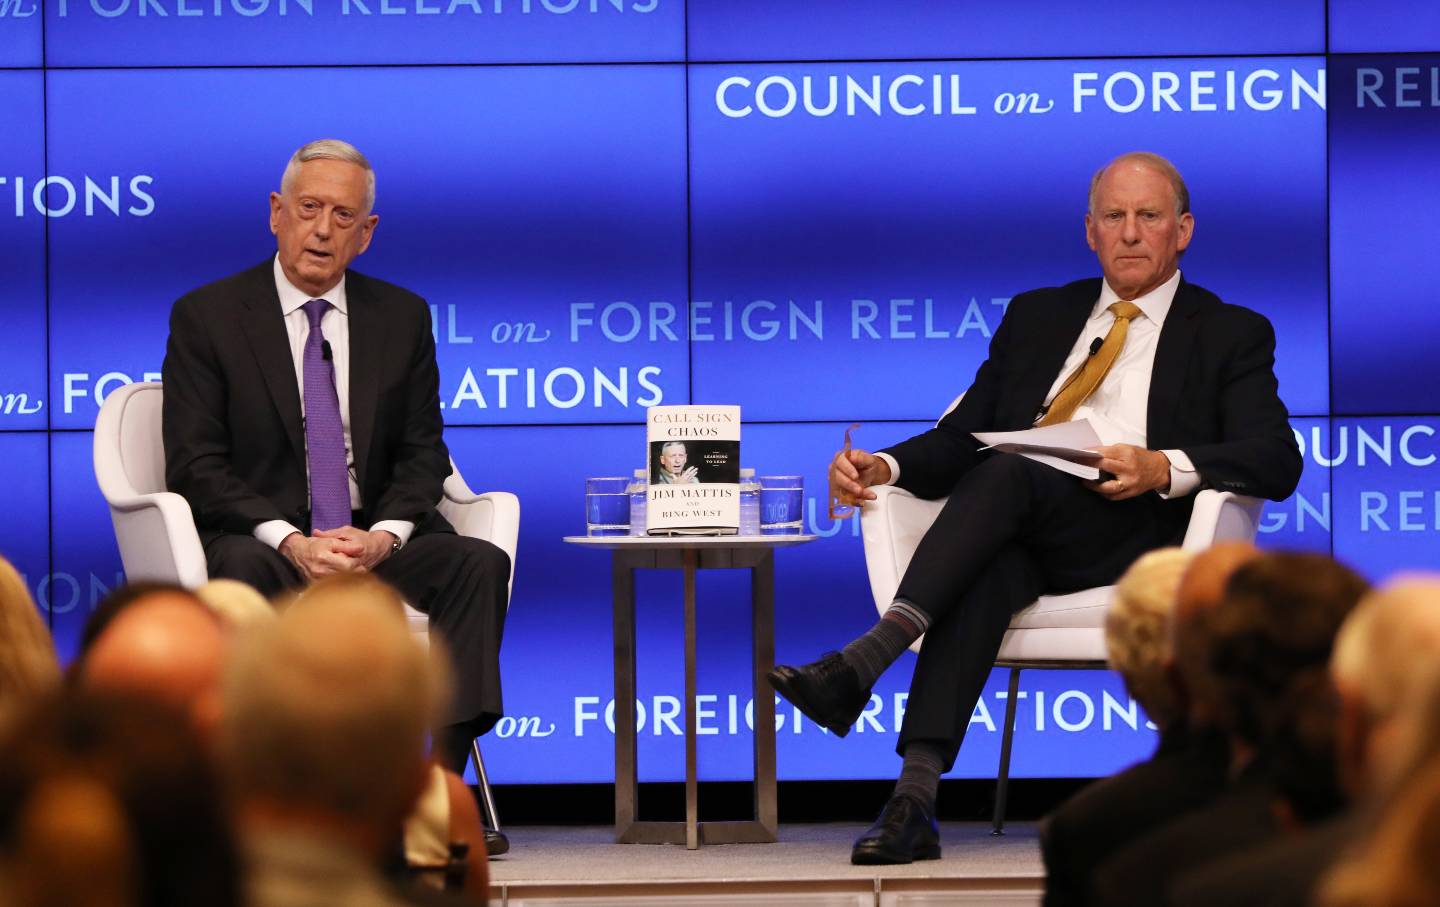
[[165, 646], [1202, 588]]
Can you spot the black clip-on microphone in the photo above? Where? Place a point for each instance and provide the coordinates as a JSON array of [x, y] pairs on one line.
[[325, 350]]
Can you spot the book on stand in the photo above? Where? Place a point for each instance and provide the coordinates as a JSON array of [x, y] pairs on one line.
[[693, 453]]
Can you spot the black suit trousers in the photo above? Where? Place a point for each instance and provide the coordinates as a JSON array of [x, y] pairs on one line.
[[461, 583], [1011, 530]]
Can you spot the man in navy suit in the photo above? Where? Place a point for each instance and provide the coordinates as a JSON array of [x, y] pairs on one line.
[[1180, 388], [302, 424]]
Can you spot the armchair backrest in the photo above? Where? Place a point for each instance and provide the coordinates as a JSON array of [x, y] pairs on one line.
[[129, 454]]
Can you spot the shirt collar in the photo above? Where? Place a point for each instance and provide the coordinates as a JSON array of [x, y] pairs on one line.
[[292, 298], [1155, 304]]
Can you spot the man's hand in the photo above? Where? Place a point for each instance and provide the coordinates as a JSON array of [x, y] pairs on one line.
[[852, 472], [374, 546], [1136, 471], [316, 557]]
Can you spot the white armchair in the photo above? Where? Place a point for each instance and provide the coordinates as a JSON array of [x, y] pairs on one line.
[[156, 531], [1057, 631]]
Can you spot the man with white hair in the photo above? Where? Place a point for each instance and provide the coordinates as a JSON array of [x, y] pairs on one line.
[[323, 742], [302, 424]]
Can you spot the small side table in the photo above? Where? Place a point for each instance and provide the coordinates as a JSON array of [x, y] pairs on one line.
[[689, 554]]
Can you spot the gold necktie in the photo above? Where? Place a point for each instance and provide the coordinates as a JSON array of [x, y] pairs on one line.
[[1091, 372]]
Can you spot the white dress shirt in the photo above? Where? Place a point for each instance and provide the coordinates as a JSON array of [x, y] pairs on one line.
[[1117, 408], [335, 327]]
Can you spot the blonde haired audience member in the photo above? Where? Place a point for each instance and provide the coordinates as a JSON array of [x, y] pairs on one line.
[[28, 666], [1189, 763], [240, 606]]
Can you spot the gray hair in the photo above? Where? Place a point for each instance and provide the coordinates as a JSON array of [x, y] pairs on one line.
[[331, 150], [669, 444], [1154, 162], [327, 707]]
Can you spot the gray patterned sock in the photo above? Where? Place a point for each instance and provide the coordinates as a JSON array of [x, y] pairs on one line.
[[873, 652], [920, 775]]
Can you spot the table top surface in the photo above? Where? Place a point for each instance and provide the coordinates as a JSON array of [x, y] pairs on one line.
[[689, 541]]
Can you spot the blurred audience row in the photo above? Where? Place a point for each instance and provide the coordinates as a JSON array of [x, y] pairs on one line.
[[1299, 752], [213, 748]]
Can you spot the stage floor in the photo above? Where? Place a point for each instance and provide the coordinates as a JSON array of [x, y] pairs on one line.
[[809, 865]]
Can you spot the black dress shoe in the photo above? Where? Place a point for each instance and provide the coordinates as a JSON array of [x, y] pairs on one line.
[[827, 691], [906, 831]]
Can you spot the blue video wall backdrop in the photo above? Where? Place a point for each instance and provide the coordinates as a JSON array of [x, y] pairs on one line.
[[818, 211]]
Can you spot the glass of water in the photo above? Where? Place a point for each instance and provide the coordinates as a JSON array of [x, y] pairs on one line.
[[782, 505], [607, 506]]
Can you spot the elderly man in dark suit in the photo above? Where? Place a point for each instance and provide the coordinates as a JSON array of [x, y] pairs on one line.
[[302, 424], [1182, 390]]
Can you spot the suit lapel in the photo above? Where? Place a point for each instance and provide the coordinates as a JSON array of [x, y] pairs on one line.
[[1172, 354], [264, 327], [367, 336], [1056, 337]]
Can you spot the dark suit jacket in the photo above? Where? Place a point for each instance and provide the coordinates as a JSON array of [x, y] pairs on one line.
[[234, 441], [1213, 394], [1187, 771], [1239, 819], [1285, 873]]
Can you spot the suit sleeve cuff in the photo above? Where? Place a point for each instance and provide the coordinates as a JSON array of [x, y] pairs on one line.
[[894, 467], [401, 529], [1183, 477], [273, 532]]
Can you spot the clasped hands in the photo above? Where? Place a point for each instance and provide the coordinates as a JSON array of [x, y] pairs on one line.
[[342, 550], [1133, 471]]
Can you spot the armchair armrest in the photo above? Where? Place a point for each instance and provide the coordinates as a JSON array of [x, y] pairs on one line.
[[1222, 516], [493, 516], [142, 521]]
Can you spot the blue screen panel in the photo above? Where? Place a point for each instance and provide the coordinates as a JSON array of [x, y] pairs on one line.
[[1302, 522], [850, 264], [546, 223], [24, 533], [1387, 493], [22, 249], [1384, 130], [901, 29], [86, 557], [310, 32], [557, 729], [1378, 26], [20, 33]]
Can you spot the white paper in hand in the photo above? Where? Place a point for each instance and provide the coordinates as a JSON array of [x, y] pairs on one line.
[[1066, 446]]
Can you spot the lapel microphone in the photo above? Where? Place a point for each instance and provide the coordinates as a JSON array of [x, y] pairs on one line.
[[325, 350], [1094, 346]]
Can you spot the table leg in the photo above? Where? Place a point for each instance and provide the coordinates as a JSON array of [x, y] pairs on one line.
[[626, 774], [762, 632], [692, 788]]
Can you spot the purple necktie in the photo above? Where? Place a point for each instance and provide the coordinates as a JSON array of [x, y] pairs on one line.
[[324, 435]]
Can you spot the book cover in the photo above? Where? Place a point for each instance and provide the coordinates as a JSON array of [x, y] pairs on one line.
[[693, 454]]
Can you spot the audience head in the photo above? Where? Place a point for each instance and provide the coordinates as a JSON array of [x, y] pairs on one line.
[[326, 713], [28, 666], [1137, 631], [238, 605], [1275, 625], [111, 800], [1201, 589], [162, 644], [1377, 670]]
